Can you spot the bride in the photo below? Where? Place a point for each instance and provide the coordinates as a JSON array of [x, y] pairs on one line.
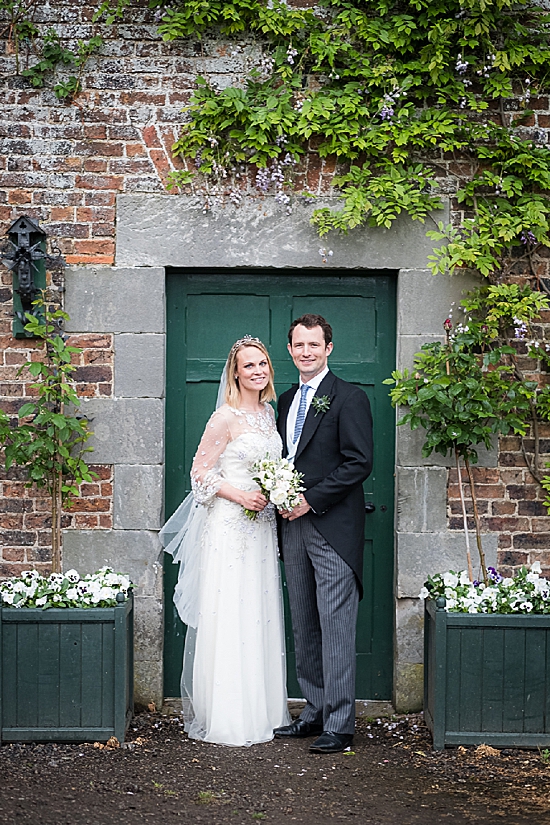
[[229, 590]]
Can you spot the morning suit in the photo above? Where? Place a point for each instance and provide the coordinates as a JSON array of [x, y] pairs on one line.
[[323, 550]]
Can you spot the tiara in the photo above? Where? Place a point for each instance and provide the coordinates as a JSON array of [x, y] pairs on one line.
[[246, 339]]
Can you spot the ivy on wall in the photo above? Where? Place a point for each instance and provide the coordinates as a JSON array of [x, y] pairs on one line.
[[389, 89], [43, 55]]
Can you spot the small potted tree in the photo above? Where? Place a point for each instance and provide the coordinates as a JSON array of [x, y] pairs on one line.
[[66, 642], [486, 667]]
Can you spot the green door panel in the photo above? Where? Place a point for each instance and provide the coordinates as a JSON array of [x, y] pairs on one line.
[[206, 312]]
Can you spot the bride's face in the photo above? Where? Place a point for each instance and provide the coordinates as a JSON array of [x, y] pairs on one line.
[[252, 369]]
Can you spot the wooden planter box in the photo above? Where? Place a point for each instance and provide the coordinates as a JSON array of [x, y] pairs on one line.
[[66, 675], [486, 678]]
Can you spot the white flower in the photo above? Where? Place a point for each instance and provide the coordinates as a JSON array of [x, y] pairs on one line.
[[464, 577], [526, 606], [278, 496], [450, 579], [451, 604], [72, 575], [424, 593], [72, 594], [536, 568], [8, 598], [507, 582], [41, 601]]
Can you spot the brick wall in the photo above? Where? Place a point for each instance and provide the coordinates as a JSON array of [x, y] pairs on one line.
[[65, 164]]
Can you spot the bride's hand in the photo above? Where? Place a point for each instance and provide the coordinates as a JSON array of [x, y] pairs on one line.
[[253, 501]]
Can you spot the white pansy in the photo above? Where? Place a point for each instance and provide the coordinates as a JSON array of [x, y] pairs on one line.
[[533, 578], [463, 577], [101, 587], [424, 593], [536, 568], [450, 579], [507, 582], [72, 575]]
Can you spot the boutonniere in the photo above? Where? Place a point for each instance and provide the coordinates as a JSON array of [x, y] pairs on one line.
[[320, 403]]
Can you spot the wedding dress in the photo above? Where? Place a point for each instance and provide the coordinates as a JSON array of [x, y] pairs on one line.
[[229, 590]]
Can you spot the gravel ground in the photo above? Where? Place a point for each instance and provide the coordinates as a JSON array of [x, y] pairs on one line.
[[160, 776]]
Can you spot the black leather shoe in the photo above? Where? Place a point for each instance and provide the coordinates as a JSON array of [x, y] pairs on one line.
[[330, 742], [297, 730]]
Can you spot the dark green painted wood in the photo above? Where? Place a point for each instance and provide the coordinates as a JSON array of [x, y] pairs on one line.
[[27, 675], [453, 641], [66, 675], [48, 675], [497, 677], [439, 638], [70, 698], [91, 674], [206, 313], [514, 688], [492, 675], [109, 665], [469, 676], [535, 680]]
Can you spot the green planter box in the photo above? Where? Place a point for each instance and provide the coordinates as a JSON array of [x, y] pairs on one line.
[[486, 679], [66, 675]]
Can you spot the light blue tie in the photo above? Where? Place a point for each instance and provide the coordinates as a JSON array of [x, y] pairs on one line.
[[301, 417]]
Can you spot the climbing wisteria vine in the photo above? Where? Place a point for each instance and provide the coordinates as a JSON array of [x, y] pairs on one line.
[[401, 95]]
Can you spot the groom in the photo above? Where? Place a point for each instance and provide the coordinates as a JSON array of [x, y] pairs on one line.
[[326, 427]]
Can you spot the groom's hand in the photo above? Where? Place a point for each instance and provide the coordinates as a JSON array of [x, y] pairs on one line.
[[300, 510]]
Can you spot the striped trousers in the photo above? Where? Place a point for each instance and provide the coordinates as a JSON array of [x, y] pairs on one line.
[[324, 598]]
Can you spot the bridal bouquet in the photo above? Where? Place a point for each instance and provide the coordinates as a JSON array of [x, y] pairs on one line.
[[279, 482]]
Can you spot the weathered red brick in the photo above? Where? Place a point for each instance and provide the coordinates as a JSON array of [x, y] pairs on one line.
[[90, 505], [92, 374], [503, 508], [13, 554], [99, 182], [103, 471], [530, 541]]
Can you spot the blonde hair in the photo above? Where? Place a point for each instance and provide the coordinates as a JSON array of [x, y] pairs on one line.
[[232, 394]]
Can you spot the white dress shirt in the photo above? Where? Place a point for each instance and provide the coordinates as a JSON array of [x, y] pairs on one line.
[[293, 411]]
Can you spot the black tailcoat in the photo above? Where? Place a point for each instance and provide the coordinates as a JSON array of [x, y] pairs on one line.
[[335, 456]]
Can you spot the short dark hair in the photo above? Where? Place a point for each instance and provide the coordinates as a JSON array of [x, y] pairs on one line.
[[309, 321]]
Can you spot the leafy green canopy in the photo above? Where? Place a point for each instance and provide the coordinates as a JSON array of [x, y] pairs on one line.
[[389, 89]]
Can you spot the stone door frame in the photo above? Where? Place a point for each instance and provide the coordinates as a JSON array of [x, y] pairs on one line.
[[127, 301]]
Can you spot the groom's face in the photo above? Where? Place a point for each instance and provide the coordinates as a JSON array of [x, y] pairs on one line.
[[309, 351]]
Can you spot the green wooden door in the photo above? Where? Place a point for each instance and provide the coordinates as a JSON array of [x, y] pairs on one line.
[[206, 313]]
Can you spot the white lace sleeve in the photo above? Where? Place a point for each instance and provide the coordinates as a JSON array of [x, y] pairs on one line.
[[205, 477]]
